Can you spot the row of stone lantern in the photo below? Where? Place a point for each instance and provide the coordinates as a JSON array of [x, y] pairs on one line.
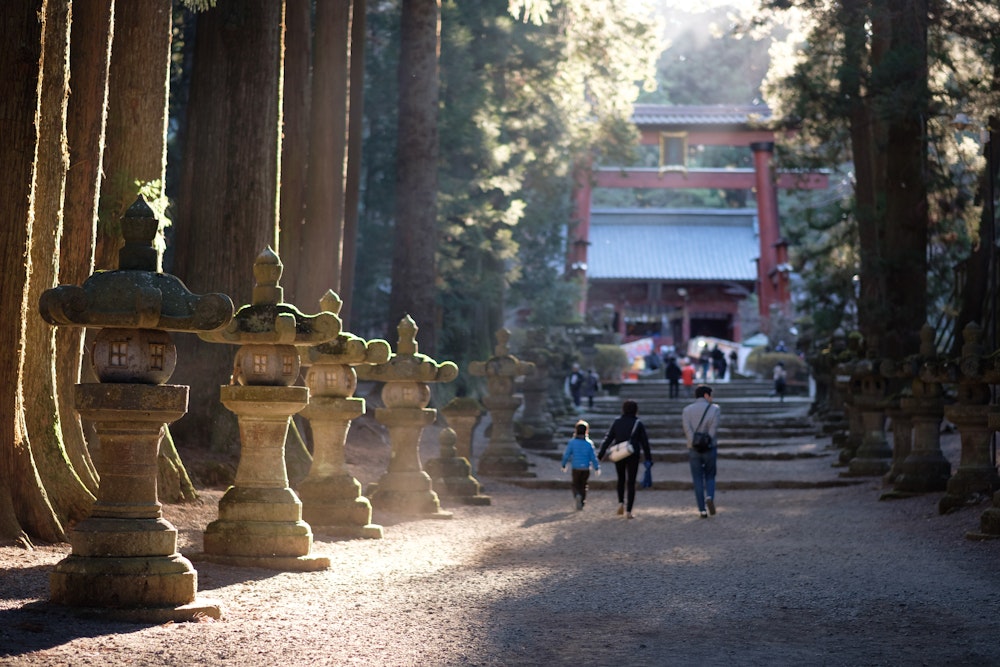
[[124, 554], [915, 464]]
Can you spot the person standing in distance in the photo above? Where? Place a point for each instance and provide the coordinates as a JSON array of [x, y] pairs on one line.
[[702, 463], [575, 383], [627, 427]]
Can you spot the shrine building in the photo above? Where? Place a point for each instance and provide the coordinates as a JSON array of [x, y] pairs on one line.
[[673, 273]]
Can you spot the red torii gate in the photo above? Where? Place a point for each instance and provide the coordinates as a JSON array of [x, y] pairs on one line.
[[704, 126]]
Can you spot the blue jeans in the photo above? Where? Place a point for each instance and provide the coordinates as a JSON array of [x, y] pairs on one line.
[[703, 475]]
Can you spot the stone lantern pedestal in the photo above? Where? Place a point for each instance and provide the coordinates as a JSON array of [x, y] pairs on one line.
[[125, 554], [463, 414], [331, 496], [405, 488], [452, 475], [976, 474], [537, 427], [260, 517], [503, 456], [874, 455], [989, 521], [923, 468], [124, 561]]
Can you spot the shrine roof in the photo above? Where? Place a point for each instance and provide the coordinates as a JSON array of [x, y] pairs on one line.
[[673, 244], [656, 115]]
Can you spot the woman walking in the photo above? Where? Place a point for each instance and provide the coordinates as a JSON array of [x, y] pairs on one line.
[[627, 427]]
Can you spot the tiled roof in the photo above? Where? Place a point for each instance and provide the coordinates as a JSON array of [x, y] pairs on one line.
[[662, 114], [673, 244]]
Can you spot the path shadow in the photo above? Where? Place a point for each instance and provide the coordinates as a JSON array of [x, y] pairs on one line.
[[547, 518]]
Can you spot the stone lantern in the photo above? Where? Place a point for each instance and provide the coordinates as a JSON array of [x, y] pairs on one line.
[[260, 518], [974, 372], [405, 487], [463, 414], [871, 399], [537, 426], [331, 496], [124, 554], [919, 464], [503, 456], [451, 474]]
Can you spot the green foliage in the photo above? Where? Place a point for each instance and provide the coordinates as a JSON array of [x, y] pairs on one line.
[[709, 60], [610, 362], [521, 102], [762, 363], [840, 71], [199, 5]]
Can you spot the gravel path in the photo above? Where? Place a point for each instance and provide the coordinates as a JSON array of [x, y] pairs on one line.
[[826, 576]]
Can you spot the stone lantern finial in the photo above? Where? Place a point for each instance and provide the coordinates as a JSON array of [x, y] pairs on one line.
[[407, 341], [267, 270], [139, 228]]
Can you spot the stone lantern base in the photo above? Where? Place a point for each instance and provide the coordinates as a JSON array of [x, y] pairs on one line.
[[260, 527], [152, 589], [407, 493], [124, 562], [335, 503], [452, 477], [260, 518]]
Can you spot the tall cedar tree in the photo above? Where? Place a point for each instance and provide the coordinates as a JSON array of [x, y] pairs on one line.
[[414, 270], [90, 57], [227, 209], [25, 512], [70, 498]]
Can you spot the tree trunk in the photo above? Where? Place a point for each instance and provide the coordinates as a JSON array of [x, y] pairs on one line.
[[295, 138], [868, 149], [24, 508], [414, 269], [224, 222], [69, 496], [90, 57], [138, 90], [905, 262], [319, 268], [352, 181], [136, 150]]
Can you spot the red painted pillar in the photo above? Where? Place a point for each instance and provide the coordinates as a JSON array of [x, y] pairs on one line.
[[767, 218], [580, 238], [782, 270]]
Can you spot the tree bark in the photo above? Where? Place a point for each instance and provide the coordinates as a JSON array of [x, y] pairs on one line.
[[295, 138], [24, 508], [223, 223], [90, 58], [319, 268], [868, 144], [352, 180], [138, 89], [69, 497], [414, 269], [905, 262]]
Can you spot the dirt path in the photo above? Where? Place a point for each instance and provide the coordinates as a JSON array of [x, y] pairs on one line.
[[781, 577]]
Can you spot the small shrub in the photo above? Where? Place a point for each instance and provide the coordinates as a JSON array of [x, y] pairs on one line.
[[762, 363], [610, 362]]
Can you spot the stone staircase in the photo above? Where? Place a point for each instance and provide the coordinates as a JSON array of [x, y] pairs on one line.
[[763, 442]]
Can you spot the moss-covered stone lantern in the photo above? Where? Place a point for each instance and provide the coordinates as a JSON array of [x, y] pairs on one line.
[[405, 487], [260, 518], [331, 496], [124, 554]]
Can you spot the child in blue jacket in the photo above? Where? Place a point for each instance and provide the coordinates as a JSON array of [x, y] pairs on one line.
[[580, 452]]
